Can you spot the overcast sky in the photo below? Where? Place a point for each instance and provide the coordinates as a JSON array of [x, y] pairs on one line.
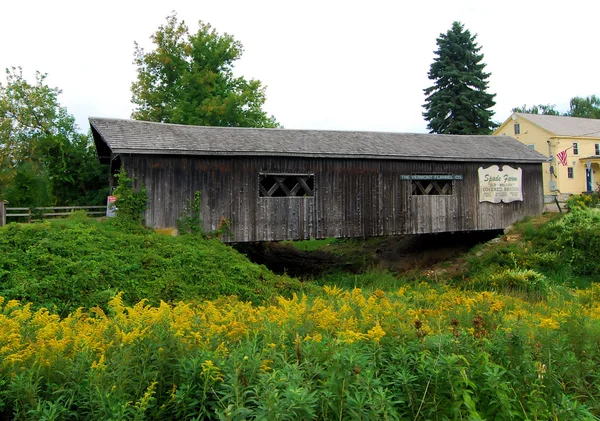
[[339, 65]]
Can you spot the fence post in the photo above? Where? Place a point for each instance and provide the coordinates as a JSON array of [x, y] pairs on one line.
[[3, 212]]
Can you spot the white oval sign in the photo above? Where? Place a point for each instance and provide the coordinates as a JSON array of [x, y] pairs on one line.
[[500, 185]]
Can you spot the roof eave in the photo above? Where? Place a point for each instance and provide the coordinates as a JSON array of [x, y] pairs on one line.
[[323, 155], [103, 149]]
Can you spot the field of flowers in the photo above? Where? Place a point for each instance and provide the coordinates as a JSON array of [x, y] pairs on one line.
[[422, 351], [513, 335]]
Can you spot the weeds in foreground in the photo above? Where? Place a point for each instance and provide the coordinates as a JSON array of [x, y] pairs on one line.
[[417, 352], [562, 252]]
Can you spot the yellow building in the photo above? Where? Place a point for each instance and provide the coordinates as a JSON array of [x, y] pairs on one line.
[[575, 140]]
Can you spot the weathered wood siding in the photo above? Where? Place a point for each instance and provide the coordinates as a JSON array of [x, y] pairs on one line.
[[352, 197]]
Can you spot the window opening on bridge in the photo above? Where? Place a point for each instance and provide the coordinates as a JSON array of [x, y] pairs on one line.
[[286, 185], [431, 187]]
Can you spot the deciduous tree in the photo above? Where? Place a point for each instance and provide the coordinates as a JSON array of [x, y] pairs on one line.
[[188, 79], [458, 101], [43, 158], [547, 109], [588, 107]]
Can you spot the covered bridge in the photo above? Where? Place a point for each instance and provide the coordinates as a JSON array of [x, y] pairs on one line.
[[279, 184]]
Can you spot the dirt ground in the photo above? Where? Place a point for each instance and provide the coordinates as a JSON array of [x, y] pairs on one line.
[[402, 254], [397, 254]]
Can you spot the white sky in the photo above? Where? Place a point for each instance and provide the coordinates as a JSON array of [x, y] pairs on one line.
[[341, 65]]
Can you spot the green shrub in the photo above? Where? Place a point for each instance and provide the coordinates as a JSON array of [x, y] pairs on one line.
[[131, 203], [190, 222], [523, 282], [583, 201], [65, 264], [563, 250]]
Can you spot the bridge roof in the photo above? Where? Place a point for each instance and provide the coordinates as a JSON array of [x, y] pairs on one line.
[[141, 137]]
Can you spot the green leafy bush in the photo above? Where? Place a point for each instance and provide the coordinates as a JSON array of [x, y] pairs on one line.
[[131, 204], [80, 262], [190, 221], [563, 251], [583, 201], [525, 282]]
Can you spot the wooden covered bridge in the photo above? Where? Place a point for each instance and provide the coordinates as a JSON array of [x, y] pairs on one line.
[[279, 184]]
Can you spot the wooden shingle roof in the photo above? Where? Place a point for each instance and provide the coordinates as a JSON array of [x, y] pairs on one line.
[[140, 137]]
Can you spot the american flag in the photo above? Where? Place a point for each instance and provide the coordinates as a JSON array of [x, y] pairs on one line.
[[562, 157]]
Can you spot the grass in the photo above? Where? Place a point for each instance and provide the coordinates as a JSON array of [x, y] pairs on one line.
[[508, 331], [312, 245]]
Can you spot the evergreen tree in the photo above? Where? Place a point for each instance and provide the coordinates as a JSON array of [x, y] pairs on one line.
[[458, 103]]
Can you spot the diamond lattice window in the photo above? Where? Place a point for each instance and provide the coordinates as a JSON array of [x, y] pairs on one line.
[[286, 185], [431, 187]]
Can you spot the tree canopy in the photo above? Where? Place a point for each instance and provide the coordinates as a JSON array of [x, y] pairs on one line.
[[458, 103], [588, 107], [44, 160], [188, 79], [546, 109]]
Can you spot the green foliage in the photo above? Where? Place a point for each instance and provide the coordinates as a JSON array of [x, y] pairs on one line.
[[131, 204], [312, 245], [522, 282], [190, 221], [458, 103], [79, 262], [44, 160], [560, 252], [583, 201], [479, 363], [370, 280], [588, 107], [188, 79], [576, 237], [29, 186], [446, 354], [547, 109]]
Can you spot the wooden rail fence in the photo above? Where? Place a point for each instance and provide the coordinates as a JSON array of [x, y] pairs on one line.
[[32, 214]]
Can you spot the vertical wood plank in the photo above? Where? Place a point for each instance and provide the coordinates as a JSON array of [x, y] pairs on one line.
[[352, 197]]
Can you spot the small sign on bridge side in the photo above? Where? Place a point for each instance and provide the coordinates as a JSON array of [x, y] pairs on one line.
[[111, 208], [431, 177]]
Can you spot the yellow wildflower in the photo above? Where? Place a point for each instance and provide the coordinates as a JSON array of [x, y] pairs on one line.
[[376, 333], [496, 306], [314, 338], [212, 371], [100, 365], [332, 291], [265, 366], [349, 336], [549, 322]]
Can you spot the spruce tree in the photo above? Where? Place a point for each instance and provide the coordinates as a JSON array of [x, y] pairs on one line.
[[458, 103]]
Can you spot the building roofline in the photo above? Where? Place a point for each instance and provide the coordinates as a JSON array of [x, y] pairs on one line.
[[120, 136]]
